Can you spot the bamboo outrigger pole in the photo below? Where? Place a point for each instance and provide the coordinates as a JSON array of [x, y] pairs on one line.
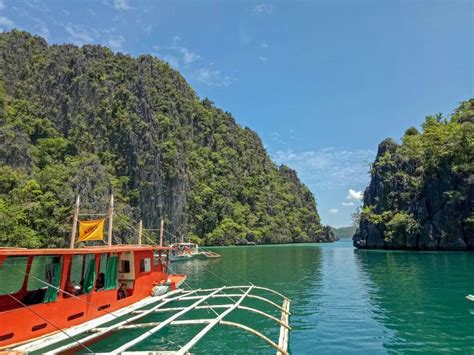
[[74, 222], [162, 223], [140, 230], [111, 218]]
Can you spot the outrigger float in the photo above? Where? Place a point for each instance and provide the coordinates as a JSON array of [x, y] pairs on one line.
[[66, 300]]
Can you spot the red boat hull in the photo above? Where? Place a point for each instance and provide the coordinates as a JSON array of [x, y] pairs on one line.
[[20, 324]]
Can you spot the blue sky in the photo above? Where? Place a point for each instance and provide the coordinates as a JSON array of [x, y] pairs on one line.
[[322, 82]]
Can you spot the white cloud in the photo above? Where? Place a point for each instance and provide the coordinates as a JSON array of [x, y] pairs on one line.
[[346, 204], [328, 168], [79, 35], [6, 23], [121, 5], [188, 56], [38, 27], [333, 210], [176, 54], [148, 28], [264, 45], [265, 9], [211, 77], [2, 5], [115, 42], [263, 59], [354, 195], [43, 31], [173, 61]]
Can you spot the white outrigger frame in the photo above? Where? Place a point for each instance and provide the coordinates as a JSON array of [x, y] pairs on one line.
[[200, 296]]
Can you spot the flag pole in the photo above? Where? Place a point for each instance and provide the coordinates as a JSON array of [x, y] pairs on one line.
[[162, 224], [74, 222], [140, 230], [111, 218]]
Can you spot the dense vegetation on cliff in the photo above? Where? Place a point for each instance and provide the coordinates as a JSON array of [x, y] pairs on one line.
[[86, 120], [421, 191]]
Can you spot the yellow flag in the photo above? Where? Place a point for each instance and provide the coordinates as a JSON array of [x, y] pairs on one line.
[[91, 230]]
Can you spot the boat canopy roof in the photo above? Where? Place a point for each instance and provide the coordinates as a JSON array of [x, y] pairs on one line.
[[87, 250]]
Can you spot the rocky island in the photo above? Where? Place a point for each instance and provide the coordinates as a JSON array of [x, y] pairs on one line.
[[420, 194], [87, 120]]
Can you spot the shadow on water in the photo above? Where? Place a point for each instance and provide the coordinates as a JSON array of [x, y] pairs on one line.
[[420, 296]]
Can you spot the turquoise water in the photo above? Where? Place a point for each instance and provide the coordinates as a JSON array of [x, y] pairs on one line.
[[344, 301]]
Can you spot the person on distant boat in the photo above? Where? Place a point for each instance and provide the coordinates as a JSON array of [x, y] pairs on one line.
[[122, 292], [100, 282]]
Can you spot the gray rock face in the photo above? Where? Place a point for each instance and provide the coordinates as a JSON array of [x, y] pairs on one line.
[[410, 204], [135, 127]]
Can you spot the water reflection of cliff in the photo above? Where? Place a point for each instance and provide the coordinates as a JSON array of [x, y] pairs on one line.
[[421, 298]]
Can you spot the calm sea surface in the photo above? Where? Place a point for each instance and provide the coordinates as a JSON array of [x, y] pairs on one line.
[[343, 300]]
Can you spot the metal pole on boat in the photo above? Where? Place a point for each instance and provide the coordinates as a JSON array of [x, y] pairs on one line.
[[111, 217], [74, 222], [162, 224], [140, 230]]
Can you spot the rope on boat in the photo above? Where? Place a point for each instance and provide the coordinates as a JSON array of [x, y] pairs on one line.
[[217, 276], [185, 282], [69, 294], [214, 274], [204, 300], [48, 321]]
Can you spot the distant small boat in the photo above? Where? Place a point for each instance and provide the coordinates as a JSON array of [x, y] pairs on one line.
[[183, 251], [186, 251], [470, 297]]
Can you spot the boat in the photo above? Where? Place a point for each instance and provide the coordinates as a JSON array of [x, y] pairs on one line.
[[187, 251], [183, 251], [470, 298], [66, 300], [45, 290]]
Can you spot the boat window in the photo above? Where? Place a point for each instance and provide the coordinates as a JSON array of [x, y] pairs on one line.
[[89, 273], [103, 263], [82, 274], [145, 265], [12, 274], [100, 282], [75, 273], [41, 272], [43, 279], [111, 273], [124, 266]]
